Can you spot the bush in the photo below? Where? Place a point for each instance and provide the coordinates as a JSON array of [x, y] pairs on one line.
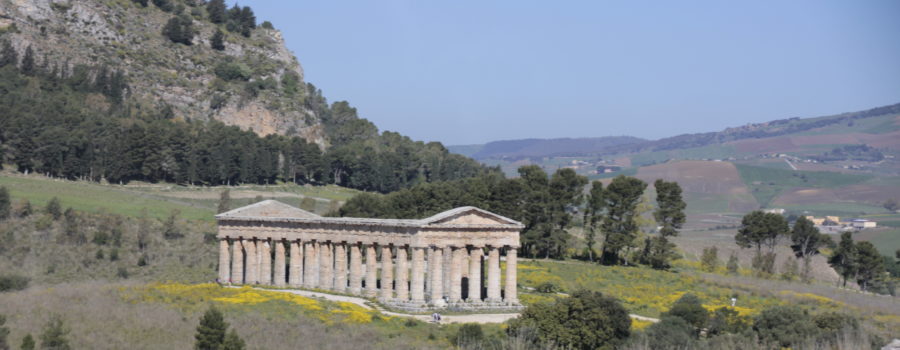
[[671, 333], [586, 320], [5, 204], [785, 326], [122, 272], [54, 335], [13, 283], [233, 71], [691, 310], [54, 208], [709, 261], [468, 334], [727, 320], [547, 287], [732, 265]]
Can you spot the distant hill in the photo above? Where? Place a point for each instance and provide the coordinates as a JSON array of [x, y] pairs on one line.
[[517, 149]]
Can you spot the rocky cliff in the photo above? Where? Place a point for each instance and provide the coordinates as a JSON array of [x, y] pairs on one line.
[[127, 37]]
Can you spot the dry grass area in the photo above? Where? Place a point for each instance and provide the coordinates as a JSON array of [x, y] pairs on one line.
[[100, 318]]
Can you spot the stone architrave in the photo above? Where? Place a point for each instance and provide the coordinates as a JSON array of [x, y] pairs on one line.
[[437, 280], [279, 272], [296, 264], [355, 269], [252, 263], [265, 262], [401, 286], [371, 271], [511, 266], [224, 262], [237, 267], [475, 274], [387, 273], [310, 273], [340, 267], [455, 275], [417, 282], [493, 280]]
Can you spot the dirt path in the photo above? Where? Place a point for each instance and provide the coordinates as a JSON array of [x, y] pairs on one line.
[[471, 318]]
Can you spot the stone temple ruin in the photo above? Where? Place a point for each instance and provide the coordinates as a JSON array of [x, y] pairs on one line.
[[451, 259]]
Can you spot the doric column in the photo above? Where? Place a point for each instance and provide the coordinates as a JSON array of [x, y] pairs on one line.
[[429, 270], [340, 267], [402, 274], [252, 267], [371, 271], [296, 264], [437, 280], [447, 260], [237, 268], [326, 264], [493, 287], [464, 264], [456, 275], [387, 273], [279, 274], [511, 264], [475, 274], [355, 269], [224, 261], [265, 262], [417, 282], [310, 273]]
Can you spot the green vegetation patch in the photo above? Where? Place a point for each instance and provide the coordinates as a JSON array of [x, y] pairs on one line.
[[767, 183]]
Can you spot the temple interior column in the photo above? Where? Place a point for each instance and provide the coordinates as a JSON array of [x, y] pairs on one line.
[[371, 271], [475, 274], [252, 267], [464, 267], [447, 255], [511, 265], [265, 262], [417, 283], [493, 287], [355, 269], [310, 275], [402, 287], [387, 273], [437, 281], [224, 261], [296, 264], [237, 268], [340, 267], [326, 264], [456, 275], [279, 274]]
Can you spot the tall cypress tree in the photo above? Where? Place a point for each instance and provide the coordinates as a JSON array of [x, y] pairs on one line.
[[8, 54], [620, 226], [217, 41], [28, 65], [843, 260]]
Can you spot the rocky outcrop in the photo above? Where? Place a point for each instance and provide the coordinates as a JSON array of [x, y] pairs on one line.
[[127, 37]]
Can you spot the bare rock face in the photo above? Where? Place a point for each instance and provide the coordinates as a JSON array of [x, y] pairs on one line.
[[127, 37]]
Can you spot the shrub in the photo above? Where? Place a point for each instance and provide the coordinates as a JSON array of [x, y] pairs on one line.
[[54, 208], [122, 272], [670, 333], [691, 310], [211, 331], [5, 204], [25, 209], [727, 320], [233, 71], [54, 335], [586, 320], [547, 287], [732, 265], [13, 283], [27, 342], [709, 261], [784, 325], [468, 334], [4, 333], [833, 322]]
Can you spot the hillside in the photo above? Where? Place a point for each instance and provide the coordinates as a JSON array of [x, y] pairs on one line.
[[518, 149]]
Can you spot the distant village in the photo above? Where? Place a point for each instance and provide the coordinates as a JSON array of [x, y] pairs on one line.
[[833, 224]]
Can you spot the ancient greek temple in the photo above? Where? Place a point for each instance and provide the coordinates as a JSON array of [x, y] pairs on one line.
[[451, 259]]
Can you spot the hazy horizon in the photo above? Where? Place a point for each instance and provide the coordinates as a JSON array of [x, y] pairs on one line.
[[469, 73]]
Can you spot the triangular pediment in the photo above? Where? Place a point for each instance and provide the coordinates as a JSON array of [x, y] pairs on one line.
[[468, 216], [268, 209]]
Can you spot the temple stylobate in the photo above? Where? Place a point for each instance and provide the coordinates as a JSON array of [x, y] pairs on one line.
[[451, 259]]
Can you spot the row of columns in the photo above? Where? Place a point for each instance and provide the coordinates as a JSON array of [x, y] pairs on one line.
[[324, 265]]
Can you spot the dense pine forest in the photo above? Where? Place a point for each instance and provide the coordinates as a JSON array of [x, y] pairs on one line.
[[82, 123]]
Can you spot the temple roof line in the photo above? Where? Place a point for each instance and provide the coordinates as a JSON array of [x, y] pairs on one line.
[[462, 217]]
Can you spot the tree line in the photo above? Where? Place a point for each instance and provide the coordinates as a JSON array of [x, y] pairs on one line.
[[548, 205], [83, 124]]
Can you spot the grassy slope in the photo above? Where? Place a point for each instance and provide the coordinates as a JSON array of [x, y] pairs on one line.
[[767, 183]]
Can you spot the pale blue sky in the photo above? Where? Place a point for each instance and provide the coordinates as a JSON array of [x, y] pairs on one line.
[[464, 72]]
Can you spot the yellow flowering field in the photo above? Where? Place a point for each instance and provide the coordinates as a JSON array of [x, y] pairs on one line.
[[190, 297]]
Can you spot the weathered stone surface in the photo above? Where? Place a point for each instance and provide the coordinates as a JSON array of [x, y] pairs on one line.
[[437, 279], [493, 280], [475, 256], [371, 272], [265, 262], [355, 269], [387, 273], [237, 268], [401, 285], [511, 266], [417, 285], [340, 267], [224, 261], [279, 274], [296, 264]]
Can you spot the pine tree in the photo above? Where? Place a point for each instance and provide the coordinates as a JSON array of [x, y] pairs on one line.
[[27, 342], [593, 215], [619, 226], [28, 64], [843, 260], [5, 204], [670, 211], [217, 41], [54, 335], [806, 241], [211, 331], [233, 342], [869, 265], [8, 54], [216, 11]]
